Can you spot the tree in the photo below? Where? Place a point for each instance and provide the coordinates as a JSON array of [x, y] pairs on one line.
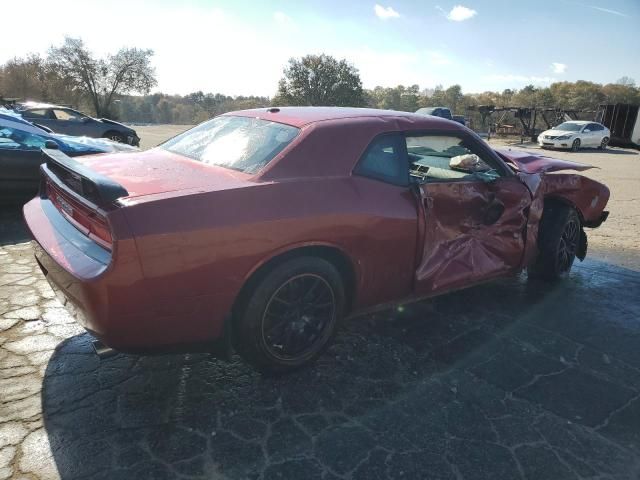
[[453, 97], [437, 98], [586, 95], [128, 71], [320, 80], [626, 81], [621, 93], [507, 95], [525, 97], [544, 98]]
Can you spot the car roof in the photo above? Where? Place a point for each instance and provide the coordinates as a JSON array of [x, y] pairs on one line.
[[301, 116], [579, 122], [13, 119], [34, 105]]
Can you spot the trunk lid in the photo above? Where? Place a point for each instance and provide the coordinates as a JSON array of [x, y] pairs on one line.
[[158, 171]]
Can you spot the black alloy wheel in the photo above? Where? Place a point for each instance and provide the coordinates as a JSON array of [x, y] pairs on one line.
[[568, 245], [297, 316]]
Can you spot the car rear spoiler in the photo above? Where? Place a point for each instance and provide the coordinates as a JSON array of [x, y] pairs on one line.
[[98, 189]]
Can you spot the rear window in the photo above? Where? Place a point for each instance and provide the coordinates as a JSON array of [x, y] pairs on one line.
[[240, 143], [14, 139]]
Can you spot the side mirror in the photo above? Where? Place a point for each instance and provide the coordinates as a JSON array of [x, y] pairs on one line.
[[85, 120], [586, 130], [50, 144]]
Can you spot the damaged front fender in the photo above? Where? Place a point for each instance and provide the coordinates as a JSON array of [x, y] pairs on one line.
[[587, 196]]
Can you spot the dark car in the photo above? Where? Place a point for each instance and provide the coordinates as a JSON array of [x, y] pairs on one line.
[[442, 112], [263, 228], [460, 119], [21, 144], [71, 122]]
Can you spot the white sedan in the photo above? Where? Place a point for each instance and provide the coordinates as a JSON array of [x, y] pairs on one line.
[[575, 135]]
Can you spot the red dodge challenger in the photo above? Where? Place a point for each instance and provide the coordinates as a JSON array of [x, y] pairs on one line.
[[261, 229]]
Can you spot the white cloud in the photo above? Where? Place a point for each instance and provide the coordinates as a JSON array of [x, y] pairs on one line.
[[608, 10], [460, 13], [282, 18], [385, 13], [558, 67]]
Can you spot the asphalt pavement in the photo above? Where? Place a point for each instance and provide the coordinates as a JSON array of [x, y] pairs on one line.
[[509, 380]]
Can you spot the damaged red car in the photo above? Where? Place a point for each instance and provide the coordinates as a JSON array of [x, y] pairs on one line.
[[262, 229]]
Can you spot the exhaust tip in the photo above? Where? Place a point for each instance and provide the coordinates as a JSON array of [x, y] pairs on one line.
[[102, 350]]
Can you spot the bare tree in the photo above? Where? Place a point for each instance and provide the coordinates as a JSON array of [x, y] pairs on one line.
[[128, 71], [626, 81]]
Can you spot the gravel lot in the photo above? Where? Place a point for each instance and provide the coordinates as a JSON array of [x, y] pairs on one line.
[[507, 380]]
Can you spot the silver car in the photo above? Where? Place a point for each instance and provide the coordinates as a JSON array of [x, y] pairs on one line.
[[68, 121]]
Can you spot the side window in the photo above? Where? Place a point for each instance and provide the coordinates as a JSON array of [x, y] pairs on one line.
[[66, 115], [436, 158], [38, 113], [595, 127], [13, 139], [385, 160]]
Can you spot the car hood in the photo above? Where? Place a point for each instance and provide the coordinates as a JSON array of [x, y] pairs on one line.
[[558, 132], [112, 122], [528, 162], [159, 171]]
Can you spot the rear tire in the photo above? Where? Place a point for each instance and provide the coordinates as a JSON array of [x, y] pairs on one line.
[[604, 143], [559, 239], [575, 146], [290, 316]]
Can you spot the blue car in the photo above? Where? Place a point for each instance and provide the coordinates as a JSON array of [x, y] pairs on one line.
[[21, 144], [68, 121]]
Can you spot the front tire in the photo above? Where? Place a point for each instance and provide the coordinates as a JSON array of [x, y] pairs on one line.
[[291, 315], [575, 146], [559, 238], [115, 136]]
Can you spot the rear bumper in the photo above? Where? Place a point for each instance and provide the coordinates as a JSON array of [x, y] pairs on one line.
[[109, 295], [74, 265]]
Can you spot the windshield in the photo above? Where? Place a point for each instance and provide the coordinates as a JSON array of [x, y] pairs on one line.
[[241, 143], [569, 127]]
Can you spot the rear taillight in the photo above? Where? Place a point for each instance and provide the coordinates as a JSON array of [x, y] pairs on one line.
[[90, 222]]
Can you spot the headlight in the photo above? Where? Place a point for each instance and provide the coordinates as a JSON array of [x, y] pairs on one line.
[[563, 137]]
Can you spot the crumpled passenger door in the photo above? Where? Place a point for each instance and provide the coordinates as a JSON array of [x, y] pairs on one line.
[[473, 230]]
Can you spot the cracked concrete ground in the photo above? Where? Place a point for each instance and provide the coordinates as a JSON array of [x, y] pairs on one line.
[[507, 380], [503, 381]]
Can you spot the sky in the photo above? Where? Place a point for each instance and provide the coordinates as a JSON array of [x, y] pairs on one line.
[[238, 47]]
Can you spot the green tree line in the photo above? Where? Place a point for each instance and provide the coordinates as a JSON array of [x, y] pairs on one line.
[[118, 87]]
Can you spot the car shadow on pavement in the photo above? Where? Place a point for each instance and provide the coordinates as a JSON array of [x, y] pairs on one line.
[[12, 228], [508, 379]]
